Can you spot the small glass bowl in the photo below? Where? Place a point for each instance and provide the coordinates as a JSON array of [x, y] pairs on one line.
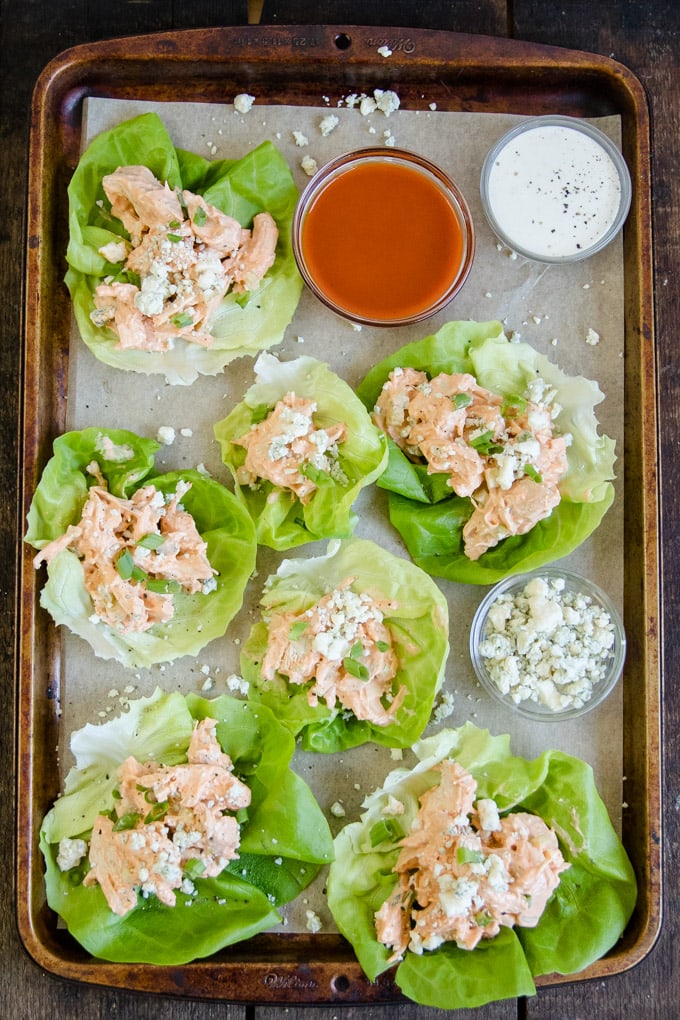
[[531, 214], [363, 160], [611, 665]]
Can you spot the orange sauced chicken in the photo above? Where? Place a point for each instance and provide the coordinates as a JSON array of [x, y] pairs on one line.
[[464, 872], [165, 817], [130, 546], [501, 453], [187, 255], [342, 647], [289, 450]]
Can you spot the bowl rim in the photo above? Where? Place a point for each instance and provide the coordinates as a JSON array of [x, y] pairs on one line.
[[528, 709], [394, 154], [577, 124]]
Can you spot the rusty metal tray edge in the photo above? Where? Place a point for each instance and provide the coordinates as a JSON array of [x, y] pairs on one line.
[[203, 64]]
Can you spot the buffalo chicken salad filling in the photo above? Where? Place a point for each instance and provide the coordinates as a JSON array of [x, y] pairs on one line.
[[342, 649], [290, 450], [464, 871], [501, 453], [184, 255], [135, 554], [169, 824]]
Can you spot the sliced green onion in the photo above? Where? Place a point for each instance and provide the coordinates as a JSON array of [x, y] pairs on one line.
[[174, 224], [297, 630], [156, 812], [151, 541], [387, 830], [181, 319], [161, 587], [242, 815], [127, 821], [200, 217], [194, 868], [466, 855], [461, 400], [531, 471], [483, 919], [382, 646], [125, 564], [174, 238], [513, 405], [484, 444], [259, 413], [357, 650], [355, 668]]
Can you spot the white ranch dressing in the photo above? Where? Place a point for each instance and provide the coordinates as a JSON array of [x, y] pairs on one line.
[[554, 191]]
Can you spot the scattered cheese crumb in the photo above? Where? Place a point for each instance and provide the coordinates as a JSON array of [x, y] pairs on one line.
[[592, 338], [243, 102], [396, 754], [445, 707], [384, 51], [313, 921], [328, 124], [237, 685], [186, 433], [300, 138], [433, 106], [309, 165], [337, 810], [166, 435]]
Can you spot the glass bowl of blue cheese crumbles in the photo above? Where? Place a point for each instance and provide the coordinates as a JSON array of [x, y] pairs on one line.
[[549, 644]]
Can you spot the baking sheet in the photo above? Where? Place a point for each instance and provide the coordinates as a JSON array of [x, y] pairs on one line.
[[553, 308]]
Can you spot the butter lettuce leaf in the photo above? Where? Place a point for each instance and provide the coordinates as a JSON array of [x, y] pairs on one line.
[[126, 461], [418, 626], [257, 182], [285, 838], [430, 517], [584, 918], [281, 520]]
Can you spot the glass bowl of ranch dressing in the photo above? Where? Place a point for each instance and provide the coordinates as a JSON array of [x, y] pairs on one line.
[[555, 189]]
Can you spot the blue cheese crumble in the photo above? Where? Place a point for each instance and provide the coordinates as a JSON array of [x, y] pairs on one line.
[[547, 645]]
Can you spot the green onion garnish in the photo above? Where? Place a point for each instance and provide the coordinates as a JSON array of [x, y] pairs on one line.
[[125, 564], [387, 830], [466, 855], [461, 400], [200, 216], [355, 668], [531, 471], [382, 646], [127, 821], [156, 812], [297, 630], [181, 319], [174, 238], [151, 541], [484, 444]]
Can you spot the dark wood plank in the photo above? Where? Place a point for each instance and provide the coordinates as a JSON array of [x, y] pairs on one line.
[[644, 37], [488, 17]]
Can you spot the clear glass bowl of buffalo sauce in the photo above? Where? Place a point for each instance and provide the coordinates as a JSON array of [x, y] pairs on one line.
[[383, 239]]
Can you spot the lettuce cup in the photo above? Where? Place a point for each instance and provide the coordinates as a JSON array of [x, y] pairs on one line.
[[144, 567], [179, 895], [179, 264], [496, 465], [351, 647], [300, 447], [547, 808]]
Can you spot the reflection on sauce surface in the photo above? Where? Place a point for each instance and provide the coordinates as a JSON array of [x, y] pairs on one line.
[[382, 241]]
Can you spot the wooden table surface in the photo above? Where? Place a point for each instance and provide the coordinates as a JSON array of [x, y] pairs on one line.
[[642, 34]]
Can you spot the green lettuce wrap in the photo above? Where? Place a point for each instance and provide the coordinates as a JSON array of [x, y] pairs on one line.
[[422, 507], [284, 838], [417, 622], [260, 181], [281, 520], [125, 461], [584, 918]]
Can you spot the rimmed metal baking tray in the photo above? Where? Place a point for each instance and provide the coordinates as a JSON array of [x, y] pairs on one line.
[[283, 65]]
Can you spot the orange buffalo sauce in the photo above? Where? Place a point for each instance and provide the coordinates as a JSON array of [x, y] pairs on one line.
[[382, 241]]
